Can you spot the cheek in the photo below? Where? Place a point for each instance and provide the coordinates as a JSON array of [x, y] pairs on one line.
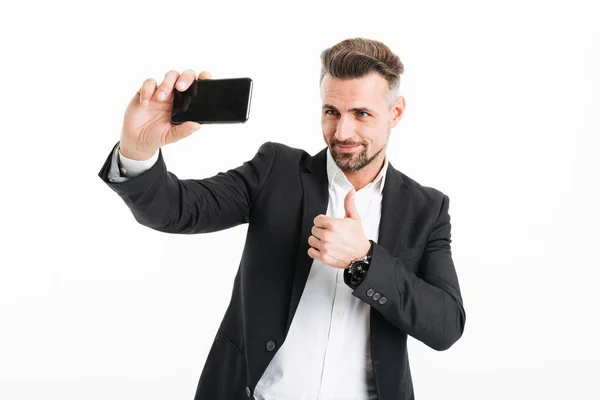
[[367, 133], [376, 132]]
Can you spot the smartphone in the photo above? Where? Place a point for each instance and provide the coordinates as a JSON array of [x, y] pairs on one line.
[[213, 101]]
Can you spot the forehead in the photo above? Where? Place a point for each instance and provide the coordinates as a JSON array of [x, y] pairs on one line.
[[371, 88]]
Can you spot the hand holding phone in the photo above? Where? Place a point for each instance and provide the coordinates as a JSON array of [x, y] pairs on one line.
[[147, 122], [215, 101]]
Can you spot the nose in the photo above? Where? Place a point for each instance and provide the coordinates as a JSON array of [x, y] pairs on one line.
[[344, 129]]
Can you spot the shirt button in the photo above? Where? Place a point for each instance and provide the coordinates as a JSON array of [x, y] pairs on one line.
[[341, 315], [370, 292], [382, 300], [376, 296], [270, 345], [123, 171], [248, 391]]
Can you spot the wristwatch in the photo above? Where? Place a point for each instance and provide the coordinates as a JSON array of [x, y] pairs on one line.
[[357, 270]]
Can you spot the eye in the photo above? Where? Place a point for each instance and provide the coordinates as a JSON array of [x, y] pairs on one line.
[[362, 114], [330, 112]]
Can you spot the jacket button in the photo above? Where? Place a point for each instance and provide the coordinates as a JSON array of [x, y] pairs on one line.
[[270, 345], [248, 391], [376, 296], [370, 292], [383, 300]]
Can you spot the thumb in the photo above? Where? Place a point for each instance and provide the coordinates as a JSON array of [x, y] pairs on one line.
[[182, 131], [350, 207]]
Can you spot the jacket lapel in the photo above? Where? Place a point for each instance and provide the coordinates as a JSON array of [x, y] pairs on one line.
[[314, 202], [394, 208]]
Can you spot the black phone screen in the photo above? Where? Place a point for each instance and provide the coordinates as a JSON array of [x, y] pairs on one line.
[[213, 101]]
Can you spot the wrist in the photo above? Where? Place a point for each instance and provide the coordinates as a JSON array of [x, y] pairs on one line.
[[365, 254], [367, 249], [133, 154]]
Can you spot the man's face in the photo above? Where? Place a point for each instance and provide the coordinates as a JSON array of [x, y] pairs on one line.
[[357, 118]]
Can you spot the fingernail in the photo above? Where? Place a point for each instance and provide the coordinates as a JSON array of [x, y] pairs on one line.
[[161, 96], [181, 84], [145, 102]]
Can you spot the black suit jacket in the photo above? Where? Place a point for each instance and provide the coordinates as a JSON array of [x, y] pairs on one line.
[[279, 193]]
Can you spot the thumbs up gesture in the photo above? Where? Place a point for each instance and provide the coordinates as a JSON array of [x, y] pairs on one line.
[[339, 241]]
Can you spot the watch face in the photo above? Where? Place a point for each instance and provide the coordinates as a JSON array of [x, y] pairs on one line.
[[358, 270]]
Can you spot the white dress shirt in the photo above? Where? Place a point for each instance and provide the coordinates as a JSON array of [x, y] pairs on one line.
[[327, 352]]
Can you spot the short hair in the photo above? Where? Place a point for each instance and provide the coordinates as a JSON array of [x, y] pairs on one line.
[[356, 57]]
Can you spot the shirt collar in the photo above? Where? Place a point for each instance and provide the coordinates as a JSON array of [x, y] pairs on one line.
[[335, 174]]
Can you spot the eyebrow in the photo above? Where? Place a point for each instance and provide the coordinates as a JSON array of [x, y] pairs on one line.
[[359, 109]]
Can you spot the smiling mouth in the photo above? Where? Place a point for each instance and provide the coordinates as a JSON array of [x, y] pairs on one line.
[[347, 147]]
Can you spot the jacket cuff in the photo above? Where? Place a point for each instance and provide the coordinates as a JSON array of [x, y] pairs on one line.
[[138, 184], [376, 288]]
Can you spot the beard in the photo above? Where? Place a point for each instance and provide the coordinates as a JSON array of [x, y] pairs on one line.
[[351, 162]]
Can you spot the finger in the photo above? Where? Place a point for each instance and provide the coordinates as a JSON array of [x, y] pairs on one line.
[[181, 131], [185, 80], [190, 127], [323, 221], [319, 233], [188, 96], [315, 242], [166, 87], [204, 75], [350, 206], [147, 90], [314, 253]]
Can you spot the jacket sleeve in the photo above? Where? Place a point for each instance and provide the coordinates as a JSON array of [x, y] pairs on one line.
[[161, 201], [427, 306]]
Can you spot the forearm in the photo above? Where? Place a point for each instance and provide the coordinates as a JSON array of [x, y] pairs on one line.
[[151, 193], [161, 201]]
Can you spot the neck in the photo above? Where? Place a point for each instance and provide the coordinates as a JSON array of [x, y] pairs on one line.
[[361, 178]]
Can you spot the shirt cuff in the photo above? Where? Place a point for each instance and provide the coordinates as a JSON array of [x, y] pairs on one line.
[[131, 168]]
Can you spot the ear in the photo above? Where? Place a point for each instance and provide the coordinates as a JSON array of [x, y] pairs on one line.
[[397, 111]]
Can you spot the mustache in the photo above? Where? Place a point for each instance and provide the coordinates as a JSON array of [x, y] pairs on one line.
[[347, 143]]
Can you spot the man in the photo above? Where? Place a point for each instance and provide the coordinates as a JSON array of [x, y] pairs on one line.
[[344, 257]]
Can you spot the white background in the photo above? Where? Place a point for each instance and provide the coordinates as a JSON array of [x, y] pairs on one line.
[[502, 115]]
